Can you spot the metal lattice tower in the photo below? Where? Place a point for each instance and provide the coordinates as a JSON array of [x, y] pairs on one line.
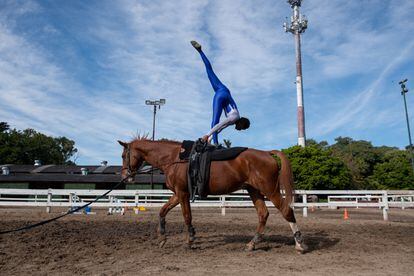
[[298, 24]]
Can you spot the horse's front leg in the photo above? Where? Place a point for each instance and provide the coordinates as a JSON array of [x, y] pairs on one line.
[[172, 202], [184, 198]]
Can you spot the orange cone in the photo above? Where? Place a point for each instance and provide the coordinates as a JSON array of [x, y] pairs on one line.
[[346, 216]]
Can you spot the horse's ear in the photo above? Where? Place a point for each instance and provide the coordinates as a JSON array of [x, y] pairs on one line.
[[123, 144]]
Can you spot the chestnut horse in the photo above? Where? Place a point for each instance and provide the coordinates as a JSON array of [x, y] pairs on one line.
[[255, 170]]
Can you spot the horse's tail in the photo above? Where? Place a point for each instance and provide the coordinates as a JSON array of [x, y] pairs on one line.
[[285, 181]]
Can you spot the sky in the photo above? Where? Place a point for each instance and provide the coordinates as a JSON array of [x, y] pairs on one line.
[[83, 70]]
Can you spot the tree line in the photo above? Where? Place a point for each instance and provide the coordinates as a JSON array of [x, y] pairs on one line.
[[346, 164], [350, 164], [22, 147]]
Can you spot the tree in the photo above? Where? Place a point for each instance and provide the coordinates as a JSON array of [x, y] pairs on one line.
[[4, 127], [315, 168], [394, 172], [313, 142], [359, 156], [227, 143], [23, 147]]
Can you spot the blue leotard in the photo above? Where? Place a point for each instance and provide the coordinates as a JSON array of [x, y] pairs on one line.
[[222, 98]]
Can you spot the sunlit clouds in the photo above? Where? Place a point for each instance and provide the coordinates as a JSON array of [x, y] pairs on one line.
[[83, 69]]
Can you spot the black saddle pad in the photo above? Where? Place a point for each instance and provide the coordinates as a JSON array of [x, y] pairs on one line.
[[226, 154], [220, 154]]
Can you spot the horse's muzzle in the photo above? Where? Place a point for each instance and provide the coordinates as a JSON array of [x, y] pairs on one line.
[[127, 179]]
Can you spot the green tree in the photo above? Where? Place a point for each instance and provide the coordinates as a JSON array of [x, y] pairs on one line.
[[359, 156], [315, 168], [23, 147], [313, 142], [4, 126], [394, 172]]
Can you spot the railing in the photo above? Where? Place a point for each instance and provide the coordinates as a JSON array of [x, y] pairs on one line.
[[381, 199]]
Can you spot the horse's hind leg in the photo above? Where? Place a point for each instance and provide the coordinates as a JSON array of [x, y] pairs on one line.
[[263, 214], [172, 202], [289, 215]]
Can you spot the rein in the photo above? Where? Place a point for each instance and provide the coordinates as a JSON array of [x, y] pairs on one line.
[[130, 173], [70, 211]]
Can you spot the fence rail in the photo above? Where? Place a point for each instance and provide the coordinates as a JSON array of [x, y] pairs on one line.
[[381, 199]]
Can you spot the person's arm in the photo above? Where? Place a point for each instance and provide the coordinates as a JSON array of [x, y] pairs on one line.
[[231, 119]]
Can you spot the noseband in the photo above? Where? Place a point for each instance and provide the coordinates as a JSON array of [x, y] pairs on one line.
[[130, 172]]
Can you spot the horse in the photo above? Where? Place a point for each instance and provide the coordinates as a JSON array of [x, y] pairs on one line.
[[254, 170]]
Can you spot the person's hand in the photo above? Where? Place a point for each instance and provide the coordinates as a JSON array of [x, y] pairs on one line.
[[205, 138]]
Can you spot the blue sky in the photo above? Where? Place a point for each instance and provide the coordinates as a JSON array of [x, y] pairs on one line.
[[83, 69]]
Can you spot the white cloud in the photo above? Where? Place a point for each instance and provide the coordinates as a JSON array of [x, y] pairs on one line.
[[118, 55]]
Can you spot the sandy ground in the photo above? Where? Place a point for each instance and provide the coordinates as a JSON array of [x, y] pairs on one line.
[[127, 245]]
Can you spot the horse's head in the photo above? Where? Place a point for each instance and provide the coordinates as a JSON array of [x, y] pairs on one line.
[[132, 160]]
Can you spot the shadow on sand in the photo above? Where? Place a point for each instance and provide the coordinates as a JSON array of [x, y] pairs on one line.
[[315, 241]]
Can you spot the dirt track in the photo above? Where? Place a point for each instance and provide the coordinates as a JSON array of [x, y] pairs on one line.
[[117, 245]]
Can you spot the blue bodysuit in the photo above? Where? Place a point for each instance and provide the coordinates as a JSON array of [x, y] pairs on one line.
[[222, 101]]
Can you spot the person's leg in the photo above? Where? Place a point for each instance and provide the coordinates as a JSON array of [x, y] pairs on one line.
[[214, 80], [217, 110]]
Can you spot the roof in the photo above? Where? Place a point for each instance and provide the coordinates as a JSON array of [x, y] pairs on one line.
[[73, 174]]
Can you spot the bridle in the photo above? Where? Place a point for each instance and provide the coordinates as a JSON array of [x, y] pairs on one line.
[[131, 172]]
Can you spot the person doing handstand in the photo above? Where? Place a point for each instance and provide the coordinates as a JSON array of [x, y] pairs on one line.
[[222, 101]]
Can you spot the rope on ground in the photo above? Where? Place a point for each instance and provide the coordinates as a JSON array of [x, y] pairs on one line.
[[68, 212]]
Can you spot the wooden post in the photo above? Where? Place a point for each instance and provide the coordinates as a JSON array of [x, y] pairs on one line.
[[385, 205], [111, 200], [223, 207], [305, 209], [70, 199], [136, 198], [49, 200]]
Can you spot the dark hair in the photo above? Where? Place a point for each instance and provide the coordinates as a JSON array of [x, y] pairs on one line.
[[242, 123]]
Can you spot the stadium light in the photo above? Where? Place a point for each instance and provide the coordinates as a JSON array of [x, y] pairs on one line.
[[155, 103], [404, 90], [297, 26]]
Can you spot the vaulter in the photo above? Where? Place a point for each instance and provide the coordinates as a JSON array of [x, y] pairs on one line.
[[222, 101]]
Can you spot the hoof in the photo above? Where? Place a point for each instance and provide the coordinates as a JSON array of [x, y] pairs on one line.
[[191, 246], [250, 247], [301, 248]]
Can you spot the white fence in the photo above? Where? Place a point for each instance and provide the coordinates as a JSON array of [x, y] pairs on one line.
[[381, 199]]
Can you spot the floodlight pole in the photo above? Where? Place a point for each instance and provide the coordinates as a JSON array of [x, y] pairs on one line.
[[156, 103], [153, 123], [404, 90], [298, 24]]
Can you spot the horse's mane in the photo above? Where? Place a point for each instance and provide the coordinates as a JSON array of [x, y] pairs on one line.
[[139, 137], [144, 137]]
